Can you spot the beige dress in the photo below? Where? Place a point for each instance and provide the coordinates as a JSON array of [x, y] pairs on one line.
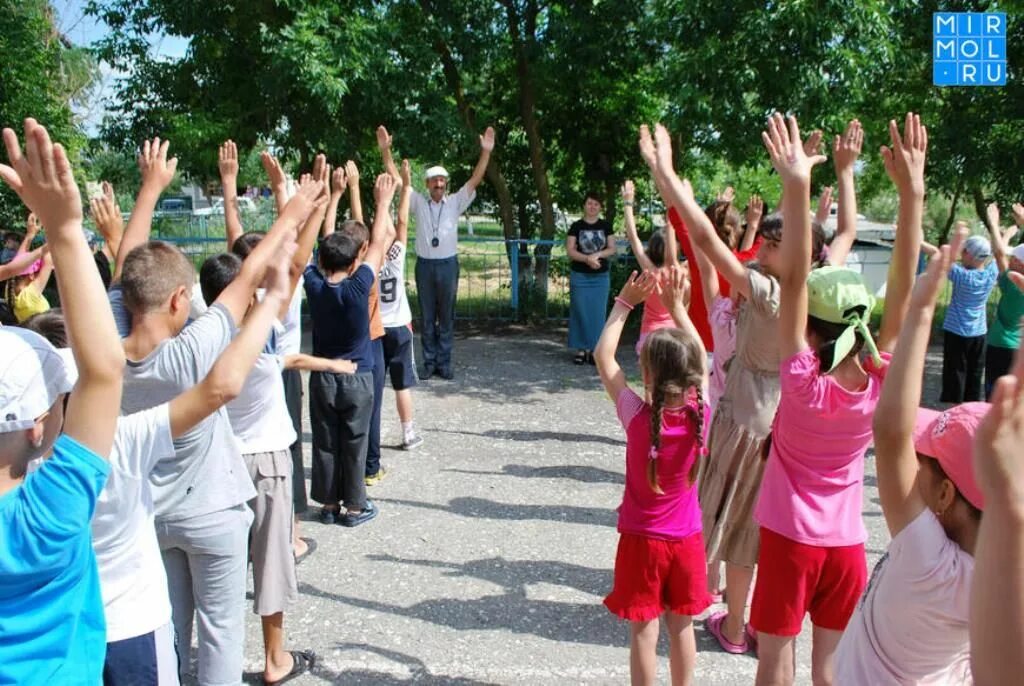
[[731, 476]]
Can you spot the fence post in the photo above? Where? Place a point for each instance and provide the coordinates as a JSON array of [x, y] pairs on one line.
[[512, 250]]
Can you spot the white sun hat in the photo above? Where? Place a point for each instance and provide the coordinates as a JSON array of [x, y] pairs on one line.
[[33, 375], [436, 170]]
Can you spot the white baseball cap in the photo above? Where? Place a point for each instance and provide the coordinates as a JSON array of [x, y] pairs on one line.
[[32, 376], [1018, 252], [436, 170], [978, 247]]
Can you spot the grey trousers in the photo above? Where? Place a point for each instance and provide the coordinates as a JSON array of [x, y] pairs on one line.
[[340, 406], [205, 560]]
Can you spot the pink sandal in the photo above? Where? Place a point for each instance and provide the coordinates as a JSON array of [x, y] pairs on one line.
[[751, 636], [714, 625]]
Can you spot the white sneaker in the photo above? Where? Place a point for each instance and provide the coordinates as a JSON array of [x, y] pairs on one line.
[[411, 440]]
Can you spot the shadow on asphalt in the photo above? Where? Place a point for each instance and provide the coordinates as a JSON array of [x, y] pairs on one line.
[[531, 436], [589, 475], [489, 509]]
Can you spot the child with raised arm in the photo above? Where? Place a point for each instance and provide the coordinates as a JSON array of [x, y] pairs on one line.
[[812, 557], [24, 292], [1004, 334], [911, 625], [731, 476], [51, 610], [200, 494], [660, 566], [660, 255], [340, 405]]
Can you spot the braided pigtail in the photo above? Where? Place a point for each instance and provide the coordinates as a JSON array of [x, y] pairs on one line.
[[657, 402], [701, 447]]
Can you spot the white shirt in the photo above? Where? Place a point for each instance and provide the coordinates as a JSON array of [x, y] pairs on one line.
[[289, 342], [394, 304], [132, 578], [440, 220], [259, 415], [910, 626]]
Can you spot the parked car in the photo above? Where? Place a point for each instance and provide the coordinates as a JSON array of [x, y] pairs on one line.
[[245, 204], [175, 205]]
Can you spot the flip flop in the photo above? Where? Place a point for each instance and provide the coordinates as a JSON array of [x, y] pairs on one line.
[[751, 636], [310, 549], [302, 662], [714, 625]]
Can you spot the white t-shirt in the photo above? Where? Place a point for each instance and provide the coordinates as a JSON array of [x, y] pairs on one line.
[[910, 626], [289, 342], [259, 415], [439, 220], [132, 578], [394, 305]]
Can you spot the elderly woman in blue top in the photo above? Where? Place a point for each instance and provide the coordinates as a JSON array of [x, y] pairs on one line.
[[966, 323]]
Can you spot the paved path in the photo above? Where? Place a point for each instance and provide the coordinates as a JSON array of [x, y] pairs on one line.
[[495, 542]]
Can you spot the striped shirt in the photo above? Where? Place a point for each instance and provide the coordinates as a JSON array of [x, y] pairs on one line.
[[967, 312]]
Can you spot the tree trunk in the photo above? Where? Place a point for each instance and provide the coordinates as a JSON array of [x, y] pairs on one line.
[[944, 238], [979, 204]]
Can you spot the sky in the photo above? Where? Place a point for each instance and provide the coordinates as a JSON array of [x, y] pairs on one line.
[[83, 30]]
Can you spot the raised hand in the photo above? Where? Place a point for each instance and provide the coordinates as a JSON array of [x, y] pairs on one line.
[[846, 148], [42, 178], [383, 138], [277, 280], [647, 149], [755, 209], [728, 194], [824, 204], [788, 155], [322, 170], [664, 147], [339, 182], [998, 464], [487, 140], [812, 146], [107, 214], [1018, 214], [675, 287], [275, 174], [157, 171], [308, 197], [227, 163], [926, 290], [628, 191], [406, 174], [384, 190], [992, 216], [32, 227], [904, 161], [638, 287], [352, 173]]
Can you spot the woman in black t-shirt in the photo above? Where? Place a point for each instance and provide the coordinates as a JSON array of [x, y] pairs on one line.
[[590, 244]]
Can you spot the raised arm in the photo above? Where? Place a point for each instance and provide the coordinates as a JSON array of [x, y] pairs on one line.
[[107, 215], [309, 363], [896, 413], [384, 140], [45, 183], [383, 233], [42, 277], [227, 165], [675, 291], [824, 205], [355, 200], [930, 250], [339, 183], [276, 178], [157, 173], [679, 194], [845, 151], [310, 228], [634, 292], [997, 589], [486, 147], [1000, 239], [31, 231], [628, 194], [404, 200], [782, 139], [227, 377], [904, 163], [238, 294], [21, 262], [755, 210]]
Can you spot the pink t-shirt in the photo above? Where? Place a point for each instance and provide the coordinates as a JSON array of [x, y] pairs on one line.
[[655, 317], [910, 626], [722, 318], [814, 479], [675, 513]]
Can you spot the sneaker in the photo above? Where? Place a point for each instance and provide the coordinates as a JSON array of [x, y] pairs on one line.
[[446, 373], [376, 478], [411, 440], [355, 519], [428, 372]]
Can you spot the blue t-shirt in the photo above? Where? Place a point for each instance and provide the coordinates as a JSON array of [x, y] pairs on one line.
[[341, 315], [967, 312], [52, 629]]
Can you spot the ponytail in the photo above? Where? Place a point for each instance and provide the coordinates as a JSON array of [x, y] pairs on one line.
[[657, 402]]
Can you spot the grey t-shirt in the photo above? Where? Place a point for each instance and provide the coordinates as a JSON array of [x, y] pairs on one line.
[[207, 473]]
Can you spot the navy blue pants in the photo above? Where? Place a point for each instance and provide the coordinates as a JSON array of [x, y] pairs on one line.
[[373, 444], [437, 284]]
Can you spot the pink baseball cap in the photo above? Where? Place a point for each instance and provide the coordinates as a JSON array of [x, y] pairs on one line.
[[949, 438]]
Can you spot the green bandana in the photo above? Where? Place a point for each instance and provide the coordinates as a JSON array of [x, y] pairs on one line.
[[838, 295]]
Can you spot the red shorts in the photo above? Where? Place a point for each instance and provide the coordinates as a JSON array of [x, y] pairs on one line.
[[653, 575], [795, 578]]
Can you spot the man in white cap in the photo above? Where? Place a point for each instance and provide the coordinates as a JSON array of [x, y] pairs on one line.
[[437, 263]]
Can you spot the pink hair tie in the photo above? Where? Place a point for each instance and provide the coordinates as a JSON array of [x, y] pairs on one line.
[[653, 454]]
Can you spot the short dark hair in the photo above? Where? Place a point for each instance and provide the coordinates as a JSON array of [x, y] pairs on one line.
[[216, 273], [49, 325], [594, 195], [339, 251], [246, 243], [356, 230]]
